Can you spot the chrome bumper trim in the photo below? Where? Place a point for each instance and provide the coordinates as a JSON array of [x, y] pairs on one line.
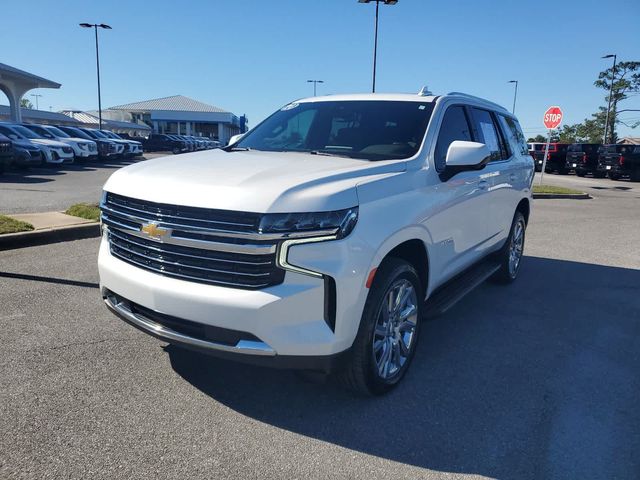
[[246, 347]]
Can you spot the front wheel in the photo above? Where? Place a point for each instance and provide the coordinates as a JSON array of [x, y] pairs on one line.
[[388, 333], [510, 255]]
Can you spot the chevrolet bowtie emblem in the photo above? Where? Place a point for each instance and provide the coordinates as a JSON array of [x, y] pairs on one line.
[[153, 230]]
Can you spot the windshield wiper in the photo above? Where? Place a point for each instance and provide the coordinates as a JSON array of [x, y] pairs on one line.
[[328, 154]]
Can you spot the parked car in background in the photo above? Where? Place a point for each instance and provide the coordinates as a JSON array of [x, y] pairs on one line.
[[55, 153], [583, 158], [617, 161], [6, 153], [82, 149], [315, 245], [26, 156], [191, 145], [122, 147], [106, 148], [533, 148], [159, 142], [133, 149], [556, 159]]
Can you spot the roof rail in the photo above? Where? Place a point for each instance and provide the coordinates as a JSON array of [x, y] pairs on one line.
[[462, 94]]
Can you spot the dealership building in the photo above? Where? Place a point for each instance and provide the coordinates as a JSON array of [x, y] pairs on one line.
[[180, 115]]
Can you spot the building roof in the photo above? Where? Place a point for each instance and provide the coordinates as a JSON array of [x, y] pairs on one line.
[[13, 73], [630, 140], [178, 103], [88, 119], [33, 114]]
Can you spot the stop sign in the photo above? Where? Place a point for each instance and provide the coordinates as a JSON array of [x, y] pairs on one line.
[[552, 117]]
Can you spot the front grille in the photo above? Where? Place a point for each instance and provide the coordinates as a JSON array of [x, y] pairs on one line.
[[5, 147], [92, 147], [225, 258]]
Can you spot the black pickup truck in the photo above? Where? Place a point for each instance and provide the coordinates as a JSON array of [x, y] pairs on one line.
[[158, 142], [583, 158], [619, 161], [557, 159]]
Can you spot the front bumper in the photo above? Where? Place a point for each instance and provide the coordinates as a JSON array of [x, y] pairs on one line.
[[288, 320]]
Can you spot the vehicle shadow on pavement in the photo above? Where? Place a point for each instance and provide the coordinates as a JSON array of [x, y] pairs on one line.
[[538, 379]]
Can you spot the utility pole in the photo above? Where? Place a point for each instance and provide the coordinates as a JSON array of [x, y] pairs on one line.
[[613, 79]]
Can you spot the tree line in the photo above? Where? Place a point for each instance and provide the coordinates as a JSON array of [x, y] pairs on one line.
[[591, 130]]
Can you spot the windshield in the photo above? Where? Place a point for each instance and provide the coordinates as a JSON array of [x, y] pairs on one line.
[[41, 132], [365, 129], [24, 131], [97, 133], [77, 133], [57, 132]]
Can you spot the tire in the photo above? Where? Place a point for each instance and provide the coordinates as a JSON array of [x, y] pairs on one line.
[[508, 271], [635, 175], [581, 173], [367, 372], [176, 150], [599, 174], [614, 176]]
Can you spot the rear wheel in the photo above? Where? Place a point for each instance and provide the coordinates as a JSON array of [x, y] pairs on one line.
[[599, 174], [614, 176], [388, 333], [635, 175], [510, 255]]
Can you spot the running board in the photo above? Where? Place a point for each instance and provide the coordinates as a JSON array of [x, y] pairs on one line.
[[455, 289]]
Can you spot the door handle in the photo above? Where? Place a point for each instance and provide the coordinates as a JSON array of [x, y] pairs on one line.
[[512, 177], [483, 184]]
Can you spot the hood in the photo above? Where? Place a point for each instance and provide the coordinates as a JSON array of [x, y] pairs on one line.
[[26, 143], [48, 143], [255, 181], [80, 140]]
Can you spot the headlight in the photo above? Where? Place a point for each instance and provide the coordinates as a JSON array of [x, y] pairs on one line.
[[301, 228], [339, 223], [83, 146]]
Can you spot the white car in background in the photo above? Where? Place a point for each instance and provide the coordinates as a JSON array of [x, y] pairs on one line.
[[82, 149], [55, 153], [134, 148], [321, 238]]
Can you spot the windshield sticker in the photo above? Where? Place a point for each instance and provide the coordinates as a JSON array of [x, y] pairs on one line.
[[291, 106]]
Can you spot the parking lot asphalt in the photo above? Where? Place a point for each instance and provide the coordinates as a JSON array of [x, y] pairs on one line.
[[538, 379], [46, 189]]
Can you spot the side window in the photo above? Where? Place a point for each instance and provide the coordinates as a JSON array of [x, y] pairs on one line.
[[455, 126], [512, 127], [490, 135]]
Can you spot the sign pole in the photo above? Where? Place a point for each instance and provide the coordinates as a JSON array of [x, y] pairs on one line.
[[546, 154], [552, 118]]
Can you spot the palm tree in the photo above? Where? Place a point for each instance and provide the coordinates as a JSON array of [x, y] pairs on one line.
[[25, 103]]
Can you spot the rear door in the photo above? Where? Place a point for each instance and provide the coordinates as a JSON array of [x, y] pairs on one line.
[[501, 173]]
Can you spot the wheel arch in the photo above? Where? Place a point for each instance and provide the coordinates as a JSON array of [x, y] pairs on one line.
[[524, 208]]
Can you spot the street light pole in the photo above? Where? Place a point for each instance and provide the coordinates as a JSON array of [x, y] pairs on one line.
[[315, 83], [95, 28], [375, 41], [36, 96], [515, 95], [613, 79]]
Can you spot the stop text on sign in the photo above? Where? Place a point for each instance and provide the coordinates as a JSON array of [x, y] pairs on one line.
[[552, 117]]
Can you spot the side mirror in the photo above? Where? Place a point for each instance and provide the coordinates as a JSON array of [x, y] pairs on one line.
[[235, 138], [463, 156]]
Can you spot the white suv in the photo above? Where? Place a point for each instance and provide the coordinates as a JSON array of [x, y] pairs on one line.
[[320, 239]]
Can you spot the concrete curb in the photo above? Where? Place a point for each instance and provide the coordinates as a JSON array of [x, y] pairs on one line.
[[568, 196], [10, 241]]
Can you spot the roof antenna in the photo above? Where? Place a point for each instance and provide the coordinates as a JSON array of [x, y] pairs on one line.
[[425, 92]]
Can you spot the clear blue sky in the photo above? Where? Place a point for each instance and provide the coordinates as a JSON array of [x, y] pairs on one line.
[[252, 56]]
